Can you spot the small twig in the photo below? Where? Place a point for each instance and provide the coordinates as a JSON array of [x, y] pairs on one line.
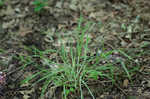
[[20, 88], [13, 71], [121, 89], [135, 31]]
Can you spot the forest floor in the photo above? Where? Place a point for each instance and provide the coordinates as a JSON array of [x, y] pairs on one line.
[[115, 24]]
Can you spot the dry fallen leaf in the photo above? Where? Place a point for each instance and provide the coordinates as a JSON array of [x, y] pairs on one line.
[[125, 83], [23, 31], [142, 68]]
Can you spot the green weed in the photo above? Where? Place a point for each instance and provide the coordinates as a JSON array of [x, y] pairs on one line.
[[39, 4], [1, 2], [72, 70]]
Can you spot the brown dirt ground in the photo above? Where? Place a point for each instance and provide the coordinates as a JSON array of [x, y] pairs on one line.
[[119, 23]]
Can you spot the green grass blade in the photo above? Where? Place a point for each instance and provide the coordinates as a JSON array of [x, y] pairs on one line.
[[47, 75], [126, 70], [88, 89], [80, 82], [126, 55], [65, 96], [31, 77], [45, 86]]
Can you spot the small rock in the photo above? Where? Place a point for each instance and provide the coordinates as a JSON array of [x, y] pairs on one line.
[[59, 4], [123, 43], [148, 84], [17, 10]]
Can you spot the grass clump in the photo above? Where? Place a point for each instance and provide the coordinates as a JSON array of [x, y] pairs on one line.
[[72, 70]]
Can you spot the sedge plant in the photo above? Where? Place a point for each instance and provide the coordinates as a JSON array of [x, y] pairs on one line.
[[72, 69]]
